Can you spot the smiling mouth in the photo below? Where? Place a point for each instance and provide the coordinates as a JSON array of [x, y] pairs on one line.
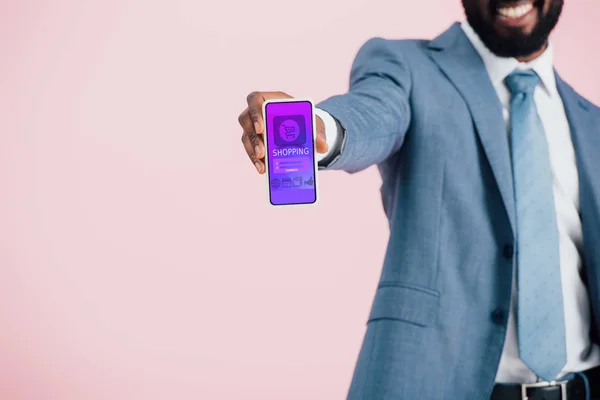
[[516, 13], [516, 9]]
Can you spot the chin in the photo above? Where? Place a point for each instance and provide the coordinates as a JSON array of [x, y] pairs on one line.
[[516, 28]]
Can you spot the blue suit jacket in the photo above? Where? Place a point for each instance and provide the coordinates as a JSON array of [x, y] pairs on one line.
[[427, 114]]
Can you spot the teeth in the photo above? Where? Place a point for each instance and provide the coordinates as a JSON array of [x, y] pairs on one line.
[[515, 12]]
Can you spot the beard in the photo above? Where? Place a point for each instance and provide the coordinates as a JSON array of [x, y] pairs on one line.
[[516, 43]]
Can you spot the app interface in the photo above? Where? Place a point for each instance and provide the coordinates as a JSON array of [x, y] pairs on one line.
[[291, 153]]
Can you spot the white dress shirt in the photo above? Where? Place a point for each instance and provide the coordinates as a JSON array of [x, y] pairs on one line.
[[582, 354]]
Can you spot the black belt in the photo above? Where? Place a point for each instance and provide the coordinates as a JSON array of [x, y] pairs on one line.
[[573, 389]]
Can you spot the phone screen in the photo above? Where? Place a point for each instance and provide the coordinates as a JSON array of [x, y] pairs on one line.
[[290, 152]]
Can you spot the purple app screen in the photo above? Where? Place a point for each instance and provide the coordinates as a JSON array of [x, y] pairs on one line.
[[291, 155]]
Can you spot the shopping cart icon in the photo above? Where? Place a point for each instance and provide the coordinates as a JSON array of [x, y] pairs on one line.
[[290, 130]]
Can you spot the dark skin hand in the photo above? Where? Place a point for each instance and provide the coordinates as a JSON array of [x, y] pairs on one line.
[[251, 121]]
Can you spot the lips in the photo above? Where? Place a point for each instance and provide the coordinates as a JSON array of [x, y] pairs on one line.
[[516, 14], [515, 10]]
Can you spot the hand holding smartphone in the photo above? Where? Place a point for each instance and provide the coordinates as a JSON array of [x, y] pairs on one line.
[[290, 159]]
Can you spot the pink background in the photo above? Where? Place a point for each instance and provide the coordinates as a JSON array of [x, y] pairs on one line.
[[132, 225]]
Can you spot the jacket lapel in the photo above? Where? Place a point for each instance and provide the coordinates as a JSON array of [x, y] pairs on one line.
[[584, 122], [462, 65]]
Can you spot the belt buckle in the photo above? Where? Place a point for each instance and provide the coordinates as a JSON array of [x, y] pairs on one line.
[[526, 386]]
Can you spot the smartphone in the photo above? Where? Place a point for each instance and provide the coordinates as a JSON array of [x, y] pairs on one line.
[[290, 157]]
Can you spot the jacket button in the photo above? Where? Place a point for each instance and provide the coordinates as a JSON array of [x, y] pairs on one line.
[[509, 251], [498, 316]]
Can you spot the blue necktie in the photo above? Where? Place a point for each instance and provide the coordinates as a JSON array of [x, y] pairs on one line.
[[540, 312]]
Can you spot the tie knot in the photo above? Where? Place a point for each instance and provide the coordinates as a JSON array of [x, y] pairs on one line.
[[522, 82]]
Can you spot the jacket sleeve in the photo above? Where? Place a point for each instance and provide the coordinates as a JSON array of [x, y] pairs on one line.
[[375, 113]]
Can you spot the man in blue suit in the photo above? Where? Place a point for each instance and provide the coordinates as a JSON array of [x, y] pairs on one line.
[[490, 287]]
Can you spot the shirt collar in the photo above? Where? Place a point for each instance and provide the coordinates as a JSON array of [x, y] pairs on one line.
[[499, 68]]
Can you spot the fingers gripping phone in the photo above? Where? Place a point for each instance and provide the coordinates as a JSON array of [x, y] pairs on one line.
[[290, 157]]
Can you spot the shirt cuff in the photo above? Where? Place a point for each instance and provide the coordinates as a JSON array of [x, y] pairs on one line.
[[333, 136]]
